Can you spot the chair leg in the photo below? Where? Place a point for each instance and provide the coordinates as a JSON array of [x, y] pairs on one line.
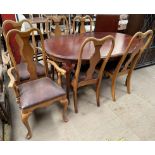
[[17, 94], [98, 96], [128, 83], [113, 89], [25, 117], [53, 72], [64, 102], [75, 100]]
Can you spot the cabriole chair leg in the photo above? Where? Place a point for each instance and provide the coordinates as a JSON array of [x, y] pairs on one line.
[[64, 102], [98, 96], [113, 89], [75, 100], [25, 117], [128, 83]]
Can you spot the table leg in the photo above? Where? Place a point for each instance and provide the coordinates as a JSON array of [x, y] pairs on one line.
[[68, 67]]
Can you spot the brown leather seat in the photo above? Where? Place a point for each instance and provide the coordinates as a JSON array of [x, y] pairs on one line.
[[25, 75], [38, 91]]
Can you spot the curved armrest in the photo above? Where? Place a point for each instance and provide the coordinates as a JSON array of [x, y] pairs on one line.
[[60, 70], [11, 76]]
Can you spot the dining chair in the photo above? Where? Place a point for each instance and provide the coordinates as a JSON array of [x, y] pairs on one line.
[[15, 56], [83, 20], [106, 23], [9, 25], [91, 77], [56, 26], [128, 60], [37, 92]]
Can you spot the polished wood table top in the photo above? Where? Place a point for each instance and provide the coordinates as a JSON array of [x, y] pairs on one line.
[[66, 48]]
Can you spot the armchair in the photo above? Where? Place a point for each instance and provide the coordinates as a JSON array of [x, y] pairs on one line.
[[37, 92]]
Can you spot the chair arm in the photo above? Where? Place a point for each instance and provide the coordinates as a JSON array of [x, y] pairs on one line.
[[11, 76], [60, 70]]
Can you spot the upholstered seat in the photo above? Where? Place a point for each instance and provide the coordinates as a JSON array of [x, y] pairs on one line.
[[25, 75], [38, 91]]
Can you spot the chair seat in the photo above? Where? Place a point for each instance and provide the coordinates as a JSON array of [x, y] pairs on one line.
[[38, 91], [25, 75]]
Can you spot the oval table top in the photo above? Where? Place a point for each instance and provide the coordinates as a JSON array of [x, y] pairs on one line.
[[66, 48]]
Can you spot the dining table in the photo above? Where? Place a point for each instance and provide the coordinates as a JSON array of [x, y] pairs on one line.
[[65, 49]]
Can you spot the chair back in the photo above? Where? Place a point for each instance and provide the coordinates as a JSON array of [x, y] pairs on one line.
[[9, 25], [106, 23], [96, 44], [139, 42], [82, 20], [53, 26], [8, 17], [22, 44]]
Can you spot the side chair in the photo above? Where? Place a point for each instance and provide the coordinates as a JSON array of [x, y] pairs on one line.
[[82, 20], [37, 92], [129, 60], [91, 77], [56, 26]]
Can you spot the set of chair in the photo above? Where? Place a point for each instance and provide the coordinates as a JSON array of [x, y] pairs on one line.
[[98, 67], [31, 78], [60, 25]]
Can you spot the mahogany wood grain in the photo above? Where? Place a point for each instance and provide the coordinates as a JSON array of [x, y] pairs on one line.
[[67, 48]]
